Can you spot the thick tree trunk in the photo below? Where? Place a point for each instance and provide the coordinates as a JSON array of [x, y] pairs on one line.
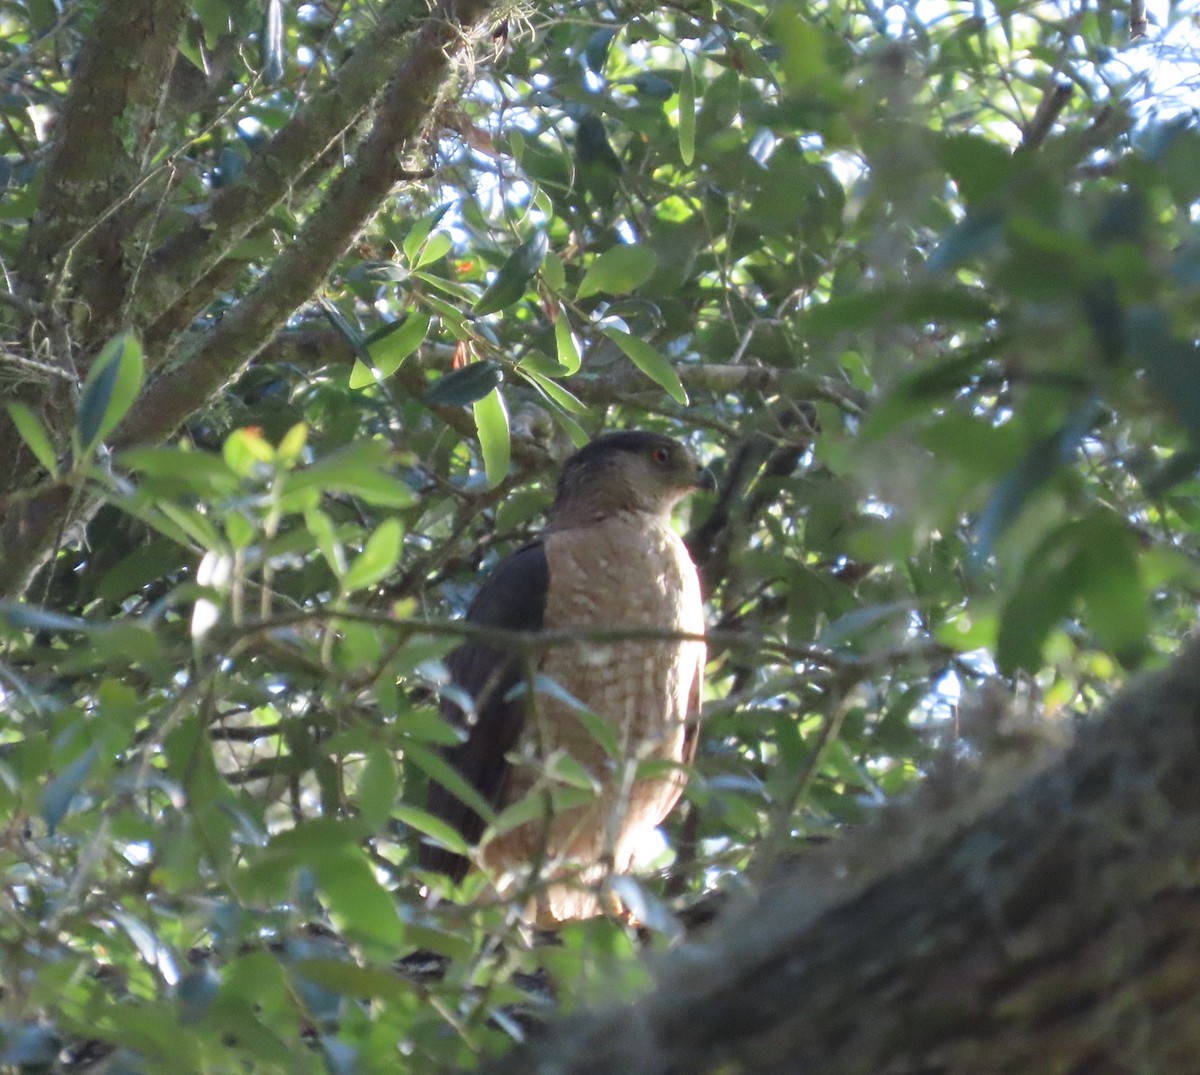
[[1059, 932]]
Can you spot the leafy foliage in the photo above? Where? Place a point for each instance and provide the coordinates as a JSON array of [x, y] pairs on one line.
[[931, 317]]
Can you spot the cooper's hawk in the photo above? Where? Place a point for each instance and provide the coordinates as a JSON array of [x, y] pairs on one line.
[[607, 558]]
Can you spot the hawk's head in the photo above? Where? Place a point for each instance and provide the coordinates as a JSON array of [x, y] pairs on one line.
[[628, 471]]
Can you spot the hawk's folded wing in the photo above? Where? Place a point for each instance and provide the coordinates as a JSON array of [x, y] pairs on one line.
[[512, 598]]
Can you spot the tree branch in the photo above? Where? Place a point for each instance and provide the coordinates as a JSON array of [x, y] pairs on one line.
[[106, 124], [353, 196], [1057, 931], [1049, 108], [175, 271], [312, 347]]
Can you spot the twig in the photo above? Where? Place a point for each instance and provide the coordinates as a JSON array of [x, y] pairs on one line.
[[1048, 110]]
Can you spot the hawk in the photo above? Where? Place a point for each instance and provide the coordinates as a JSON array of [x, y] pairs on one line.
[[607, 558]]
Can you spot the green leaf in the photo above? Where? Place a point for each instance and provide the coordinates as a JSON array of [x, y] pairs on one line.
[[446, 835], [112, 385], [435, 766], [619, 270], [427, 724], [358, 904], [653, 364], [652, 87], [458, 388], [415, 239], [595, 53], [567, 345], [377, 787], [687, 114], [350, 980], [377, 559], [292, 445], [553, 272], [61, 790], [805, 64], [491, 421], [980, 167], [437, 247], [34, 434], [511, 281], [1043, 597], [29, 618], [388, 349], [320, 526], [1172, 364], [350, 332], [535, 807], [356, 470], [246, 452], [195, 525], [554, 390], [204, 472], [1042, 461], [1114, 597]]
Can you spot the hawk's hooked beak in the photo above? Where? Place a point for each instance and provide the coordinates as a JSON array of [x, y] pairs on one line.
[[705, 479]]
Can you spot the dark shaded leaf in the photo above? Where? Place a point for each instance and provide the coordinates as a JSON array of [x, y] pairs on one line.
[[1038, 466], [595, 53], [460, 388], [111, 387], [514, 275], [61, 790]]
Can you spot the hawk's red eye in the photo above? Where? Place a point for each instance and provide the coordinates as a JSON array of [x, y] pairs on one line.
[[661, 455]]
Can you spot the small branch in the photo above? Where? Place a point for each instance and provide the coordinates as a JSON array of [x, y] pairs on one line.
[[847, 668], [1137, 19], [1048, 110], [312, 347]]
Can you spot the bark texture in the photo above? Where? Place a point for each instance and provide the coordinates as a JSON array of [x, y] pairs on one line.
[[400, 70], [1058, 933]]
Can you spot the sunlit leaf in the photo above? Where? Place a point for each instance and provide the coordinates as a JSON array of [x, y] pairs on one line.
[[491, 422], [389, 349], [653, 364], [377, 787], [687, 115], [357, 903], [437, 246], [555, 391], [246, 451], [377, 559], [567, 345], [415, 240], [34, 434], [618, 271], [289, 449]]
